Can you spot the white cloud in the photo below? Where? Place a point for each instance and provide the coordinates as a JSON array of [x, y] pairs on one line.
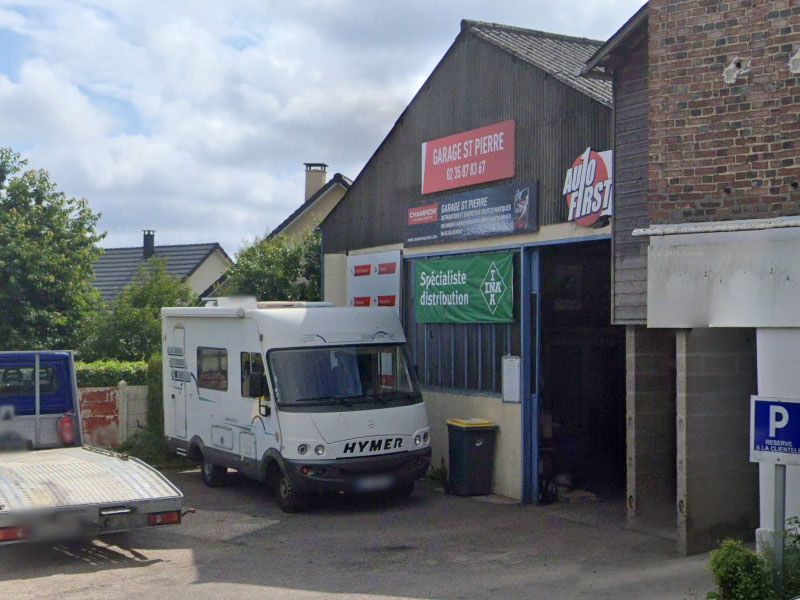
[[194, 117]]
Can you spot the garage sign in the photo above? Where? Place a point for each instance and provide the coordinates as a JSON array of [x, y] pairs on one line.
[[588, 188], [467, 158], [509, 209], [470, 289]]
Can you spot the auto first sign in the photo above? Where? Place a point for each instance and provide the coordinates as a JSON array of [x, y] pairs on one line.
[[588, 188], [775, 430]]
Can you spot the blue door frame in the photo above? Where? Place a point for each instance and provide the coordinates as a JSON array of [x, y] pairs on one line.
[[531, 355]]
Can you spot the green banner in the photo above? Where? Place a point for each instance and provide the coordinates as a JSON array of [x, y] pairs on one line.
[[471, 289]]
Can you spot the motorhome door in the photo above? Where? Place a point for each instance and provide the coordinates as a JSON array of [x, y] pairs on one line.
[[179, 379]]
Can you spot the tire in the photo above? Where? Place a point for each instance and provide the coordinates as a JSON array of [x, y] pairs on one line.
[[289, 499], [404, 490], [213, 475]]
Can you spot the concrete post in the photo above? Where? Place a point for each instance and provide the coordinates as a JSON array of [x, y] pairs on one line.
[[122, 411], [717, 484], [650, 427]]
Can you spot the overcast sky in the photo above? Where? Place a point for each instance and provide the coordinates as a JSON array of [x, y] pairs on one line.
[[194, 117]]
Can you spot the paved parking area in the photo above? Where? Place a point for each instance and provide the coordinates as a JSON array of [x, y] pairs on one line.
[[239, 544]]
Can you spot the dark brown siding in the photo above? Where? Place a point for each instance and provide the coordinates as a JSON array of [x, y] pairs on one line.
[[475, 84], [630, 193]]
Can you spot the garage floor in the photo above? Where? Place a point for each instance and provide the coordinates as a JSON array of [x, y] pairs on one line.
[[239, 544]]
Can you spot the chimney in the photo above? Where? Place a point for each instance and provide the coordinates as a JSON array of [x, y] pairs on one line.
[[316, 176], [148, 243]]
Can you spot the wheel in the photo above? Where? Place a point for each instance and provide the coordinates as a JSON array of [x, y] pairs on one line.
[[213, 475], [289, 499], [404, 490]]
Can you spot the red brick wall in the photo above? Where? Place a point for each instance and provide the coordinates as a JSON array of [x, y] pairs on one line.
[[100, 416], [717, 150]]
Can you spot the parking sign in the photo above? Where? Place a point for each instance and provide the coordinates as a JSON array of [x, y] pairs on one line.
[[775, 430]]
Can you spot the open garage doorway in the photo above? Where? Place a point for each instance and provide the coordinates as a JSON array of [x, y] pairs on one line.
[[582, 377]]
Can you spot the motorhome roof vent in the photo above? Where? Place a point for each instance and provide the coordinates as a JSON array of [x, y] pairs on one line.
[[231, 302], [292, 304]]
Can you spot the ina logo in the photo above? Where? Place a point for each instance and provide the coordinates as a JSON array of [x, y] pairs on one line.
[[493, 287]]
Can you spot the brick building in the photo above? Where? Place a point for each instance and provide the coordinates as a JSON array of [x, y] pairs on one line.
[[705, 248]]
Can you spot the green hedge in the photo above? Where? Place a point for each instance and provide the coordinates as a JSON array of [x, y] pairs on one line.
[[107, 373]]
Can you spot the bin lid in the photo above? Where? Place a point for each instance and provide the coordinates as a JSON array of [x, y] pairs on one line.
[[472, 423]]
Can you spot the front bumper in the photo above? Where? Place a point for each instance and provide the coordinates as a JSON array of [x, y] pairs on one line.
[[346, 474]]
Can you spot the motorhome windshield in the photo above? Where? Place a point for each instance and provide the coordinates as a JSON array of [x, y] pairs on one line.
[[350, 376]]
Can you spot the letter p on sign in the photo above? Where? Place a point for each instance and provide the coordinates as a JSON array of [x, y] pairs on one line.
[[778, 419]]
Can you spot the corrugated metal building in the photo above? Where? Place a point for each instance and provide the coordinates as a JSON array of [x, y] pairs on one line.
[[513, 96]]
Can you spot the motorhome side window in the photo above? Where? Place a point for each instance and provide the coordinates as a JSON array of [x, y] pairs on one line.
[[212, 368], [254, 381]]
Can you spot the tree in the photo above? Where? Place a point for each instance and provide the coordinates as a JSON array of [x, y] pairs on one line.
[[48, 244], [131, 327], [278, 268]]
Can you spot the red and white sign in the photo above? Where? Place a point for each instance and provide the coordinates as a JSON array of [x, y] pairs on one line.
[[588, 188], [374, 279], [476, 156]]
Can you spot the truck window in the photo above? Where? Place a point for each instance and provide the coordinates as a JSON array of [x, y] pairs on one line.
[[212, 368], [252, 364], [18, 381]]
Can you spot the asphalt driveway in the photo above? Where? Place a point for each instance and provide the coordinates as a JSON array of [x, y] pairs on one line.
[[239, 544]]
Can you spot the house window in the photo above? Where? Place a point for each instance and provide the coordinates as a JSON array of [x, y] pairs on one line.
[[212, 368]]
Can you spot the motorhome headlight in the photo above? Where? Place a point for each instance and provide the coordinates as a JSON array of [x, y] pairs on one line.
[[319, 450], [302, 448], [417, 440], [426, 436]]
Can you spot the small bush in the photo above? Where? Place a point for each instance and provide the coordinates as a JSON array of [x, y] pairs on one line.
[[108, 373], [740, 574], [149, 446], [155, 400]]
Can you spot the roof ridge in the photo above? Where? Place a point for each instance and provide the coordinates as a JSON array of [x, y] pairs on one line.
[[157, 246], [469, 23]]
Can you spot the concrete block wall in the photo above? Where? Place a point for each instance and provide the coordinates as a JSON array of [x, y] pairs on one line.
[[650, 424], [717, 485]]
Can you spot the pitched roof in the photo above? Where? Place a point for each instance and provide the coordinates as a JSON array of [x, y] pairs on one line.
[[596, 65], [117, 266], [337, 179], [561, 56]]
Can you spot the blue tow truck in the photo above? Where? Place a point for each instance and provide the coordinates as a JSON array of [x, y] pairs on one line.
[[51, 486]]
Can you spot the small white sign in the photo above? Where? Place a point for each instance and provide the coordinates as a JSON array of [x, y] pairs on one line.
[[512, 383]]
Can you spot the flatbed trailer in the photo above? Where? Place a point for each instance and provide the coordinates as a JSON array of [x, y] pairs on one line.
[[49, 492]]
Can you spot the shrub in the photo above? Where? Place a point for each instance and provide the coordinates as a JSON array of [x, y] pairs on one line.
[[740, 574], [149, 446], [155, 400], [107, 373]]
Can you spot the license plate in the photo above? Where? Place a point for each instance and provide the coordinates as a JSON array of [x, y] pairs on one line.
[[377, 483]]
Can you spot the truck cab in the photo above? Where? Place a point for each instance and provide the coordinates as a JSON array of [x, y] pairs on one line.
[[35, 416], [305, 396]]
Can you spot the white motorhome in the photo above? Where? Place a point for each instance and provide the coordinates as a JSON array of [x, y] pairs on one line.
[[304, 396]]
